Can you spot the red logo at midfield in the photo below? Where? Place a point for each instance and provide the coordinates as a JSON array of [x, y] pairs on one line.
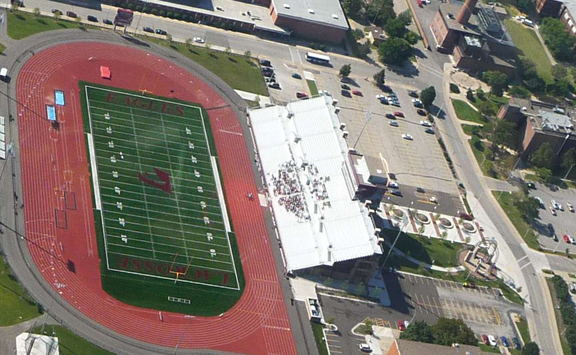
[[163, 185]]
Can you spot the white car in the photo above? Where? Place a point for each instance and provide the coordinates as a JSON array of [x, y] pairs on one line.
[[393, 184], [416, 102], [570, 207], [528, 23], [540, 201], [365, 347], [199, 40], [556, 205], [394, 123], [492, 340], [407, 136], [520, 18], [426, 123], [553, 211], [380, 96]]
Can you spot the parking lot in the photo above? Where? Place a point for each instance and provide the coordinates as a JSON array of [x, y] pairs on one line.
[[416, 298], [564, 222]]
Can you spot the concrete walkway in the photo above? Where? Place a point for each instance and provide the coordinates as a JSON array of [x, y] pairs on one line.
[[263, 100]]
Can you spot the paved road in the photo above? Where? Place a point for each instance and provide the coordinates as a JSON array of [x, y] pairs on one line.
[[429, 69]]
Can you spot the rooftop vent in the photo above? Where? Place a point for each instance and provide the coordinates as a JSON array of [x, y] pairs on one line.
[[450, 16], [335, 17], [286, 6], [524, 109], [311, 11]]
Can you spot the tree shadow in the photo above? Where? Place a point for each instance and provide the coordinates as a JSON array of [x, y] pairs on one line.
[[213, 56], [193, 51], [232, 59], [419, 54], [407, 70], [63, 25]]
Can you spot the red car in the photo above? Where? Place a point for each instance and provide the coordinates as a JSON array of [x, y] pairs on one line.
[[357, 92], [398, 114], [485, 339], [301, 95], [400, 325], [465, 216], [568, 239]]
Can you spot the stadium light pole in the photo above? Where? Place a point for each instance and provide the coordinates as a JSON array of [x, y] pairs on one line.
[[140, 18]]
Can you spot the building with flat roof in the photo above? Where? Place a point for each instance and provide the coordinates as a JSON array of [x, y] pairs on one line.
[[303, 155], [475, 36], [540, 122], [322, 20], [36, 344], [548, 7]]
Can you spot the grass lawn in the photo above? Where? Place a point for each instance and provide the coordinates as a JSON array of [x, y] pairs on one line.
[[465, 112], [2, 48], [426, 250], [494, 100], [558, 316], [23, 24], [480, 150], [251, 103], [489, 349], [312, 87], [524, 331], [526, 41], [236, 70], [71, 344], [319, 337], [15, 303], [506, 201]]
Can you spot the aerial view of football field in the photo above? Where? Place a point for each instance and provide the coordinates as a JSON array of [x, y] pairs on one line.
[[160, 210]]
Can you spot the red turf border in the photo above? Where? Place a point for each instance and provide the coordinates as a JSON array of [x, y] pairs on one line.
[[54, 162]]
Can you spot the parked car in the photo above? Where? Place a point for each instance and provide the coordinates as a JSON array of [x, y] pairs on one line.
[[71, 14], [531, 185], [485, 339], [504, 341], [345, 87], [301, 95], [390, 116], [568, 239], [401, 325], [398, 114], [161, 32], [394, 123], [468, 285], [365, 347], [296, 76], [199, 40], [345, 93], [426, 123], [92, 18], [570, 207], [393, 184], [540, 201], [553, 211], [492, 340], [396, 192], [421, 190], [528, 23], [421, 112], [274, 85], [268, 73], [407, 137], [148, 29], [465, 216], [56, 11], [265, 62], [556, 205], [416, 103], [429, 131], [516, 343], [357, 92], [413, 93], [107, 22], [572, 287]]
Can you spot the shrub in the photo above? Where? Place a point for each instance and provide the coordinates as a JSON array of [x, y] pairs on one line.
[[454, 88]]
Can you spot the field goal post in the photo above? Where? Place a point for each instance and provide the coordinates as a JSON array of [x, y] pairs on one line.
[[176, 272]]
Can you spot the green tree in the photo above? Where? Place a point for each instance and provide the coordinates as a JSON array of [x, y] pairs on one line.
[[449, 331], [535, 84], [380, 78], [188, 42], [519, 91], [169, 38], [418, 331], [36, 12], [405, 17], [380, 12], [394, 51], [345, 70], [427, 96], [543, 156], [526, 68], [411, 37], [497, 81], [544, 174], [395, 28], [569, 158], [364, 49], [486, 108], [480, 94], [57, 15], [470, 94], [529, 208], [353, 7], [558, 40], [531, 348], [559, 71], [505, 134], [79, 20], [560, 87], [358, 33], [248, 54]]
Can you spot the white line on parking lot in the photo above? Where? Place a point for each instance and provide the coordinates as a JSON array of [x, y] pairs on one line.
[[522, 258], [522, 267]]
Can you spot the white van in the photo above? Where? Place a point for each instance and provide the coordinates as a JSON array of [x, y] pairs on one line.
[[3, 73]]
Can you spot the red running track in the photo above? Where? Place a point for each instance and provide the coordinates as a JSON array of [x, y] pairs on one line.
[[55, 162]]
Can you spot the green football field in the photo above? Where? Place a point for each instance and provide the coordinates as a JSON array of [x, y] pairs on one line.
[[159, 203]]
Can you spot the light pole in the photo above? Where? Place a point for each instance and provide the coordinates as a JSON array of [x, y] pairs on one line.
[[405, 221]]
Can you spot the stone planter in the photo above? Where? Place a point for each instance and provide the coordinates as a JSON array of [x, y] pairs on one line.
[[445, 223], [422, 218], [468, 227], [397, 214]]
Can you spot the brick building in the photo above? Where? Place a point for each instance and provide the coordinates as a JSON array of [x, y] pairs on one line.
[[540, 122], [568, 16], [321, 20], [407, 347], [475, 35], [548, 7]]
